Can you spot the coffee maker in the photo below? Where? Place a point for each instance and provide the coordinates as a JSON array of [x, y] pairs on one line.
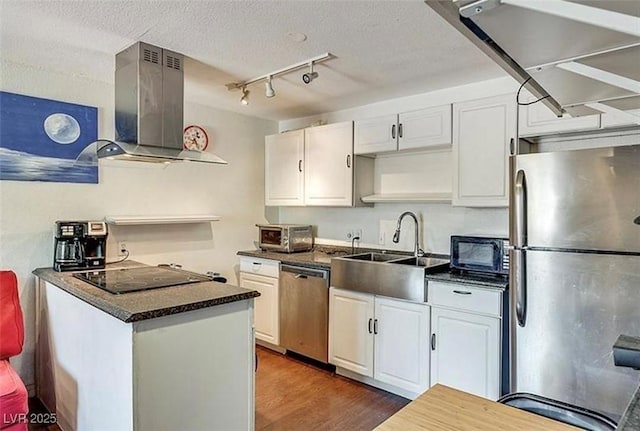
[[80, 245]]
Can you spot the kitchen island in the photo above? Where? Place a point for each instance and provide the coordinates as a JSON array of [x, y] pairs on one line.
[[179, 357]]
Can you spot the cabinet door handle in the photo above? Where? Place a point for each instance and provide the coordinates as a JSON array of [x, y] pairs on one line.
[[462, 292], [512, 147], [393, 131], [370, 322], [348, 160], [433, 341], [375, 326], [400, 130], [256, 263], [299, 165]]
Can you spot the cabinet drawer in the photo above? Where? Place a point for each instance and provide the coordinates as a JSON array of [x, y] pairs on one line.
[[464, 297], [266, 267]]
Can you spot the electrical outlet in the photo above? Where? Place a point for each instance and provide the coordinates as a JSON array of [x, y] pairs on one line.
[[122, 248], [352, 233]]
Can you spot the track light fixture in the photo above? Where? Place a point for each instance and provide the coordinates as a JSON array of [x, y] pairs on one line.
[[245, 96], [310, 76], [268, 86]]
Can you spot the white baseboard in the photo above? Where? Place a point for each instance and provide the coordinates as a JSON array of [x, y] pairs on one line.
[[270, 346], [376, 384]]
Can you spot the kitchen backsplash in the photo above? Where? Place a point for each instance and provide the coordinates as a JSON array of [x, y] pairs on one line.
[[437, 223]]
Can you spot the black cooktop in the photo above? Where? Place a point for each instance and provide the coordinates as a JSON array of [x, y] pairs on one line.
[[135, 279]]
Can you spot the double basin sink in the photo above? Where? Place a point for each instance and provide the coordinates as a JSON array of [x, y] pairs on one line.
[[393, 275]]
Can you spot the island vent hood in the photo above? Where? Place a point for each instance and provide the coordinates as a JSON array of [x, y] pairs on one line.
[[581, 56], [149, 101]]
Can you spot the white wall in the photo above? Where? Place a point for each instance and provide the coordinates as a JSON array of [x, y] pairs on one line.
[[28, 210], [438, 222], [409, 173]]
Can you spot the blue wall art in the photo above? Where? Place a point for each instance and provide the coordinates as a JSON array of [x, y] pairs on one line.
[[47, 140]]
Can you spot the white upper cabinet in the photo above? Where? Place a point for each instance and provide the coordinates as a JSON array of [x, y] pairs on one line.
[[482, 132], [376, 135], [425, 128], [537, 119], [409, 130], [328, 153], [284, 169], [316, 167]]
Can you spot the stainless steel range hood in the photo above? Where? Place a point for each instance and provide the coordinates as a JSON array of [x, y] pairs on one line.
[[578, 53], [149, 100]]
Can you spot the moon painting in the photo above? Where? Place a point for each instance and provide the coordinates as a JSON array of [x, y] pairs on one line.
[[62, 128], [47, 140]]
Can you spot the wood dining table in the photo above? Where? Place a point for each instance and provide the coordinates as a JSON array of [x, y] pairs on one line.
[[442, 408]]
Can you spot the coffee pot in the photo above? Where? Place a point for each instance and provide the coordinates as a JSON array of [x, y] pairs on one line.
[[79, 245]]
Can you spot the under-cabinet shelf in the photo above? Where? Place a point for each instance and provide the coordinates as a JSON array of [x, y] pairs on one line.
[[176, 219], [408, 197]]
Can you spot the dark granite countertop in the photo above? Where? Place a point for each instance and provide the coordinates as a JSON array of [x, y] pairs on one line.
[[318, 258], [147, 304], [501, 283]]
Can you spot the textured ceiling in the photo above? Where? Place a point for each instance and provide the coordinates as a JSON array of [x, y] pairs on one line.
[[383, 49]]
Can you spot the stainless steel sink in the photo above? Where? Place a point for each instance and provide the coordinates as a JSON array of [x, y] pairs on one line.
[[431, 264], [375, 257], [396, 276]]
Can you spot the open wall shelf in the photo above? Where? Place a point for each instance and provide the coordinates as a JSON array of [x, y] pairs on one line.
[[175, 219]]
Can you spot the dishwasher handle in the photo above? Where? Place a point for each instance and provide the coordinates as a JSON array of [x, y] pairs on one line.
[[303, 272]]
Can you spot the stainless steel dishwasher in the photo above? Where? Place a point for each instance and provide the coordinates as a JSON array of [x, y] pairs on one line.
[[304, 311]]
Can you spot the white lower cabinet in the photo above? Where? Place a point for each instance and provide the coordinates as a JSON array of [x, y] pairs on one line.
[[381, 338], [466, 337], [466, 352], [401, 354], [263, 278], [351, 330]]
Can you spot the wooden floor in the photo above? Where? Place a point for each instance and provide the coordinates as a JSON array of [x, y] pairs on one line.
[[292, 395]]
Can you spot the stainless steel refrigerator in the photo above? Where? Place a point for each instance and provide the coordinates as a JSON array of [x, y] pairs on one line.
[[575, 274]]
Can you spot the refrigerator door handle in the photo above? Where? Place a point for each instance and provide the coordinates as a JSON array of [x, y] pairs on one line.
[[520, 285], [520, 191]]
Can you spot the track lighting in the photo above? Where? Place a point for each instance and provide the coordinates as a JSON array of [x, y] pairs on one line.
[[268, 88], [245, 96], [308, 77]]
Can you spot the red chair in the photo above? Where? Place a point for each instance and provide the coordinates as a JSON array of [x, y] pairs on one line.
[[13, 394]]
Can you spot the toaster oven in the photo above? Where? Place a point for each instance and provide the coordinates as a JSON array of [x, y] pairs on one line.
[[285, 238]]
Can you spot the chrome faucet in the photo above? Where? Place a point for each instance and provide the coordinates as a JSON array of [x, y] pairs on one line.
[[417, 251]]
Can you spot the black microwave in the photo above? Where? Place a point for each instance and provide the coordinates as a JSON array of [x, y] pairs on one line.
[[480, 254]]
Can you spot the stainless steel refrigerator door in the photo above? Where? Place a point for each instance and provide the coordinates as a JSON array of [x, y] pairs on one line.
[[576, 307], [582, 199]]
